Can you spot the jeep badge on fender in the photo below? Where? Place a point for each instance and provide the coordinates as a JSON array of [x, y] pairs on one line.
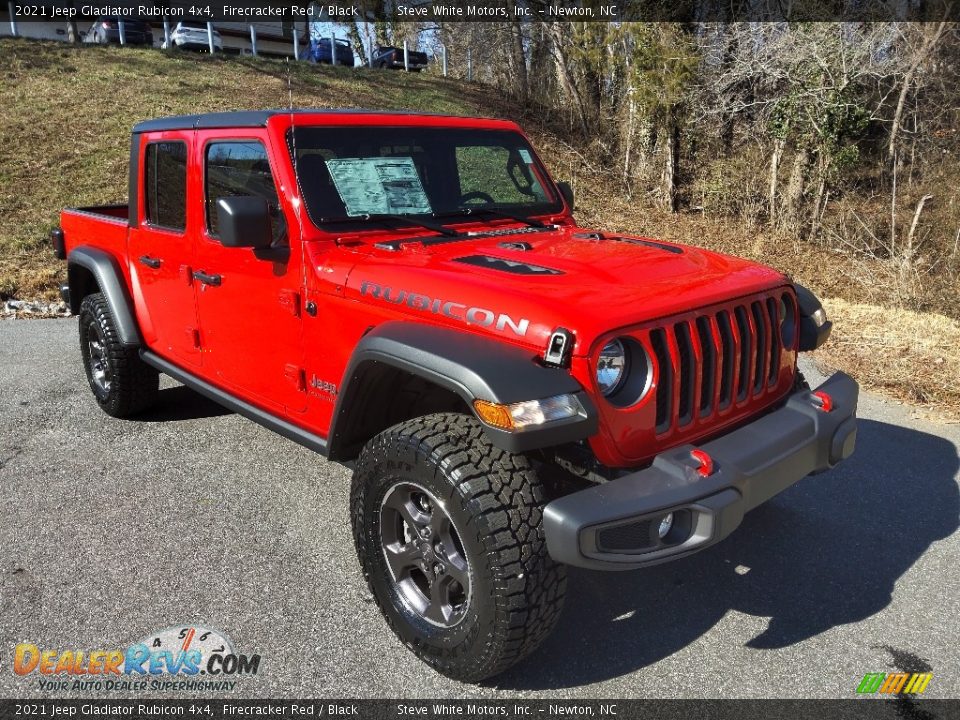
[[412, 295]]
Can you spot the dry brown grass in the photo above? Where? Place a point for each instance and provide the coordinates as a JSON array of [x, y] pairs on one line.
[[67, 112], [913, 356]]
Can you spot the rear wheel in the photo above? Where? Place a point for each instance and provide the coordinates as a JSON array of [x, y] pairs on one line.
[[448, 531], [121, 382]]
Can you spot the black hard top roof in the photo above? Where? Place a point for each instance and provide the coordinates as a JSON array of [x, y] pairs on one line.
[[253, 118]]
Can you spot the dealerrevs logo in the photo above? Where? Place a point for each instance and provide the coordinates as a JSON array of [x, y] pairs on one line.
[[182, 652]]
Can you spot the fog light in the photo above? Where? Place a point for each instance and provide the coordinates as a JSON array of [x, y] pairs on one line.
[[665, 524]]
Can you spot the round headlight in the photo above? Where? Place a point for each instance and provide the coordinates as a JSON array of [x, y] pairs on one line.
[[611, 367]]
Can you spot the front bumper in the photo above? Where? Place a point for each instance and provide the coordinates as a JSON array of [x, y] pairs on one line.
[[613, 526]]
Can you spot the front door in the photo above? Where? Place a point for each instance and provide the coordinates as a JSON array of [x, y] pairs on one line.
[[249, 300], [161, 250]]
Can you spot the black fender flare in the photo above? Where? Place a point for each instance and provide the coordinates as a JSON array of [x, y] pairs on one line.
[[109, 277], [812, 335], [473, 367]]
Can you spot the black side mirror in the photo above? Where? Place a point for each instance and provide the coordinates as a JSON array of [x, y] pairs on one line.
[[244, 222], [567, 192]]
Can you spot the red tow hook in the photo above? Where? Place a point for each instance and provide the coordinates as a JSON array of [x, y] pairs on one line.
[[825, 401], [706, 462]]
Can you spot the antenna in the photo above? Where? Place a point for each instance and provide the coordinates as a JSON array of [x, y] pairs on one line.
[[296, 175]]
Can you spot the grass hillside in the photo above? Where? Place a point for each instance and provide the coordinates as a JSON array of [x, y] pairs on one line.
[[67, 112]]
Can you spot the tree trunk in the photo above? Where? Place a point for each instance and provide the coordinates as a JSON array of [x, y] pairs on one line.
[[929, 43], [359, 44], [519, 60], [566, 76], [796, 186], [628, 144], [775, 157], [671, 149]]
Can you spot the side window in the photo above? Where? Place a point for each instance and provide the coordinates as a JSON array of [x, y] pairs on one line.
[[496, 172], [240, 167], [165, 184]]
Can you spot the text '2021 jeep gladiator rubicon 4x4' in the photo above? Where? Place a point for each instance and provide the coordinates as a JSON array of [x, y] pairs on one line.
[[411, 293]]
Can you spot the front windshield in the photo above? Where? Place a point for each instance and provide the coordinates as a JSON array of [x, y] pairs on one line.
[[347, 174]]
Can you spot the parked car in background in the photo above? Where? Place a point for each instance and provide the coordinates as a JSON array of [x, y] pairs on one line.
[[389, 57], [192, 35], [106, 31], [320, 52]]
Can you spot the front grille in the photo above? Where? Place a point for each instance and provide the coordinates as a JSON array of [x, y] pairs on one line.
[[710, 360], [658, 339]]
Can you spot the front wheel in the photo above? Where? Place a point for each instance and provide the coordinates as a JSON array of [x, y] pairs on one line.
[[121, 382], [449, 534]]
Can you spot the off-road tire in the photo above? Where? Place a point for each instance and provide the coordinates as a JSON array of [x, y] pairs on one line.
[[495, 500], [133, 384]]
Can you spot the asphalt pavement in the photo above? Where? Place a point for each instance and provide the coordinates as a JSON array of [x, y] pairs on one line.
[[111, 530]]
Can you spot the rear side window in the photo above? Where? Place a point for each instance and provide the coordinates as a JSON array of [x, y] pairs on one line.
[[240, 167], [165, 183]]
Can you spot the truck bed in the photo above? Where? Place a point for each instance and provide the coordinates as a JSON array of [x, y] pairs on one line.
[[102, 226], [111, 213]]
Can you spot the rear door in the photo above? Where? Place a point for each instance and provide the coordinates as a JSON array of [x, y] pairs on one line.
[[250, 300], [161, 248]]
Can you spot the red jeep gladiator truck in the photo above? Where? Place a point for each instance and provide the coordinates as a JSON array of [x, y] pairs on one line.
[[410, 294]]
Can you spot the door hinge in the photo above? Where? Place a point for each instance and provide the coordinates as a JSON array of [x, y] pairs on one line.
[[290, 301], [297, 375], [186, 274], [193, 337]]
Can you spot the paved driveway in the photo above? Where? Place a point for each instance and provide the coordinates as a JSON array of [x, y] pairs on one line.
[[110, 530]]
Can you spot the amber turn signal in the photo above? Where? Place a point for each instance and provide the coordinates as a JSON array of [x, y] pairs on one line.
[[493, 414], [527, 413]]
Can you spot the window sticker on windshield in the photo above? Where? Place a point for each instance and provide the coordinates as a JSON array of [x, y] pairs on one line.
[[379, 185], [525, 154]]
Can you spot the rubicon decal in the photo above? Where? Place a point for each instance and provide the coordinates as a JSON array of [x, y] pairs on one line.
[[189, 650], [457, 311]]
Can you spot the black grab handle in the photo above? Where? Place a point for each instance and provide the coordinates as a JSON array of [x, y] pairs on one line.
[[207, 279]]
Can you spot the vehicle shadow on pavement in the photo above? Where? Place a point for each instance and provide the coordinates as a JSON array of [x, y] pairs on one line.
[[181, 403], [826, 552]]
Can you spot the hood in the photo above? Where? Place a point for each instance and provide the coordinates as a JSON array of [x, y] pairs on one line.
[[521, 286]]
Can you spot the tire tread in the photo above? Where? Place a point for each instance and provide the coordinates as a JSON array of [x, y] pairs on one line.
[[134, 384], [503, 496]]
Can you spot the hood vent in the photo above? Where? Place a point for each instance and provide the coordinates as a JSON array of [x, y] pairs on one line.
[[515, 245], [510, 266], [597, 237], [651, 243]]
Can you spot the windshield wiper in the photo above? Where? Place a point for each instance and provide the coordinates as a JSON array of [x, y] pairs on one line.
[[531, 222], [374, 217]]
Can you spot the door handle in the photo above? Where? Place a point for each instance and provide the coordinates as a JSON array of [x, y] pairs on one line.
[[150, 262], [207, 279]]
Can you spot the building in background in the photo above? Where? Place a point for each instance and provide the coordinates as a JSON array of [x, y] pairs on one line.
[[273, 39]]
